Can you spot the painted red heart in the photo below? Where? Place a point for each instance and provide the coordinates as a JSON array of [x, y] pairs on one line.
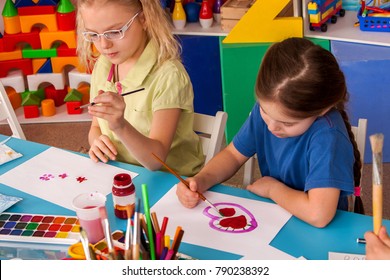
[[234, 222], [227, 212]]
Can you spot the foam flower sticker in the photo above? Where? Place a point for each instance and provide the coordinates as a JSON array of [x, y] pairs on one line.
[[46, 177]]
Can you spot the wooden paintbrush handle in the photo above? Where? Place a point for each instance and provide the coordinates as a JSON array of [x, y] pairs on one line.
[[377, 206]]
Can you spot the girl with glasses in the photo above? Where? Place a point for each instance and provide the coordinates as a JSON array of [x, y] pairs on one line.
[[128, 45]]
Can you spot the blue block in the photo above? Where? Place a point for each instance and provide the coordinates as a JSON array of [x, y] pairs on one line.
[[46, 67]]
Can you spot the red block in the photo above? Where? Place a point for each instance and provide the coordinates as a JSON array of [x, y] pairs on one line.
[[73, 107], [57, 95], [36, 10], [24, 64], [66, 21], [12, 40], [31, 111], [63, 50]]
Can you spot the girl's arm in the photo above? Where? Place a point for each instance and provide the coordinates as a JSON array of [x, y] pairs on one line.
[[220, 168], [159, 141], [316, 207], [111, 106]]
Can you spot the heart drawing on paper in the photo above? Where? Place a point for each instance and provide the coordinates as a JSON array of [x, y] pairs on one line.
[[236, 219]]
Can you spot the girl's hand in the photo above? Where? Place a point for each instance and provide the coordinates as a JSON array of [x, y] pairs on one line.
[[262, 186], [188, 197], [102, 149], [109, 106], [377, 247]]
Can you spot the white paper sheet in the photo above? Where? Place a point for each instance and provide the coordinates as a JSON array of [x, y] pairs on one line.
[[252, 244], [58, 176]]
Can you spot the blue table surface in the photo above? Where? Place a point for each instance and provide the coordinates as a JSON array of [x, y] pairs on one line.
[[296, 238]]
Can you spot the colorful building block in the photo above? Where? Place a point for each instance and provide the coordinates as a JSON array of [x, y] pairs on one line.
[[77, 78], [56, 79], [46, 67], [28, 52], [11, 18], [63, 50], [37, 63], [66, 15], [25, 3], [16, 54], [58, 95], [23, 64], [14, 97], [36, 10], [15, 80], [59, 63], [27, 22], [73, 107], [31, 111], [48, 108], [48, 38], [11, 41]]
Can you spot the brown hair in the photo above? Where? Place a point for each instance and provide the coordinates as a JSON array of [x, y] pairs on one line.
[[158, 29], [306, 80]]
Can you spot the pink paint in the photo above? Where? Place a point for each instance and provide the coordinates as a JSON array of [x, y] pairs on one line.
[[94, 229]]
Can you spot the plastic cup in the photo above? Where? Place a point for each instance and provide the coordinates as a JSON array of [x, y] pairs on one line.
[[87, 210]]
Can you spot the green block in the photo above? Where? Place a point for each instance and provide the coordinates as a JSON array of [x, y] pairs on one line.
[[65, 6], [31, 99], [9, 9], [29, 52], [73, 95], [240, 64]]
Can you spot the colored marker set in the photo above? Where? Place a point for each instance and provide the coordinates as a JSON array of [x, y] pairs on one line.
[[39, 228]]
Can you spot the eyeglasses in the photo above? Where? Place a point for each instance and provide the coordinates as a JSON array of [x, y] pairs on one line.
[[111, 35]]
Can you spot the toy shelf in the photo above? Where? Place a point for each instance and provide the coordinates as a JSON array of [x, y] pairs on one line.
[[194, 28], [60, 116], [344, 30]]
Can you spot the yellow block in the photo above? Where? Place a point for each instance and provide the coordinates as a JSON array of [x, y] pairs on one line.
[[261, 24], [12, 25], [48, 107], [11, 55], [27, 22], [58, 63], [48, 38]]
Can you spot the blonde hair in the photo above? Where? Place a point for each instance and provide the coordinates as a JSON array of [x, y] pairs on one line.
[[158, 29]]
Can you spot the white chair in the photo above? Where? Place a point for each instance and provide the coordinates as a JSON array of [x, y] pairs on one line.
[[359, 131], [211, 130], [7, 113]]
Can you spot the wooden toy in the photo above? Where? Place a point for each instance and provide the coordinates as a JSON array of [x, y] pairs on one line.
[[56, 79], [206, 14], [23, 64], [15, 80], [178, 15], [48, 107], [323, 11]]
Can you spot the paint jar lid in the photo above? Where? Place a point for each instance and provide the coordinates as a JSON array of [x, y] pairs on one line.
[[122, 179]]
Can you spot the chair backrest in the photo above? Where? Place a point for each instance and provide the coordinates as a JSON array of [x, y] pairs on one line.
[[211, 130], [7, 113], [359, 131]]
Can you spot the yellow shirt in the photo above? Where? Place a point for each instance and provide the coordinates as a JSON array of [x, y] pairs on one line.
[[166, 87]]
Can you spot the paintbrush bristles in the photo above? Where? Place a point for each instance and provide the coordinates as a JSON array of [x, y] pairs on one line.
[[376, 141]]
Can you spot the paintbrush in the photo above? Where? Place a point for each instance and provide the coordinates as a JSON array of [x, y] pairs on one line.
[[88, 251], [135, 245], [128, 236], [112, 254], [123, 94], [376, 141], [187, 184]]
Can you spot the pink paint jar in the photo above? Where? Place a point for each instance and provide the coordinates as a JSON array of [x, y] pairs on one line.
[[123, 194]]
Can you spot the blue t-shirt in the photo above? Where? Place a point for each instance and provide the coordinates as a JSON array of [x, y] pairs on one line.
[[319, 158]]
